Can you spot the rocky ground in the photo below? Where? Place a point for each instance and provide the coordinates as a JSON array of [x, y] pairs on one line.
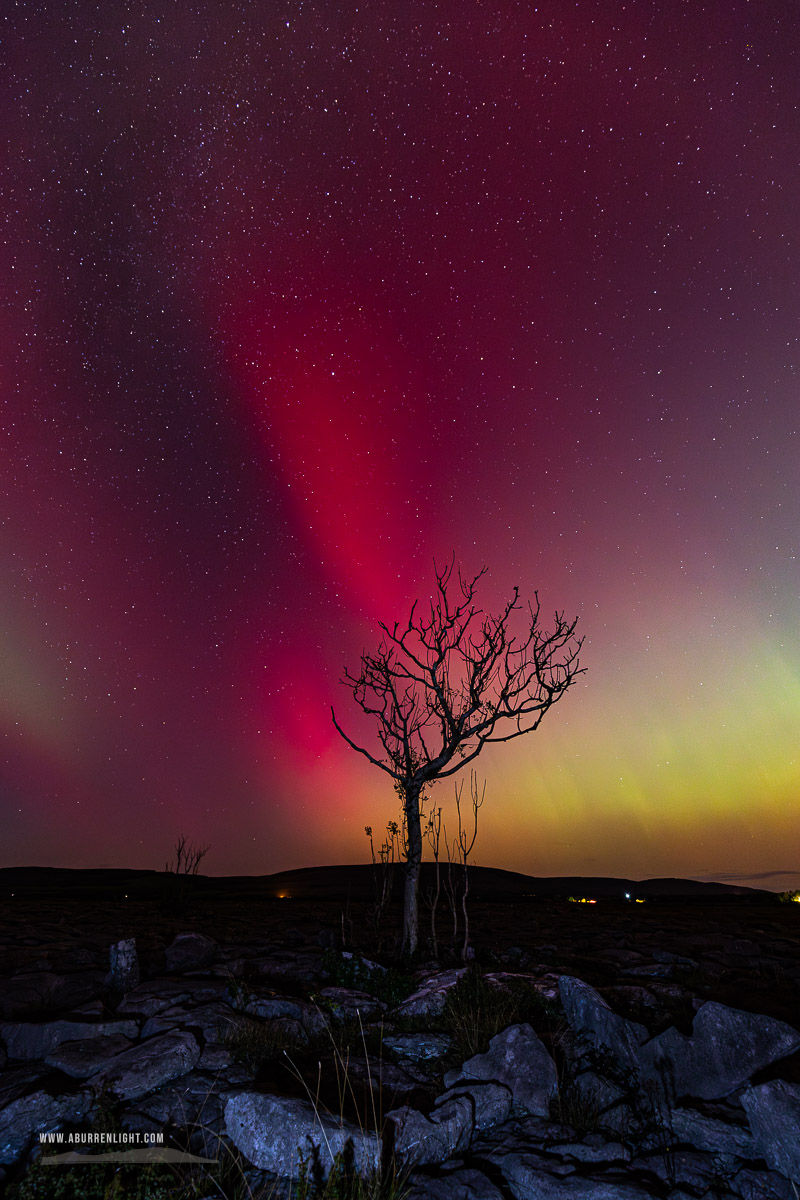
[[616, 1049]]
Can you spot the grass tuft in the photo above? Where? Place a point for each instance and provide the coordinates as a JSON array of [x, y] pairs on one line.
[[579, 1112], [388, 984], [254, 1043], [476, 1010]]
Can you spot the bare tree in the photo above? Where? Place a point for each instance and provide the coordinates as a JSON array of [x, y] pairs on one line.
[[433, 832], [391, 851], [187, 857], [451, 681], [463, 845]]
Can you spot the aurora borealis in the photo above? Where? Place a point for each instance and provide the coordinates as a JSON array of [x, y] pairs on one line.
[[299, 298]]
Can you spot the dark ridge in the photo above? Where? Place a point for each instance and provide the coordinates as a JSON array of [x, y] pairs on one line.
[[354, 881]]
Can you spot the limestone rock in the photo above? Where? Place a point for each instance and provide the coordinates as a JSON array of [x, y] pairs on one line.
[[273, 1131], [681, 1165], [153, 997], [299, 969], [727, 1047], [29, 1041], [429, 999], [518, 1059], [529, 1177], [390, 1082], [621, 1120], [591, 1018], [463, 1184], [213, 1020], [773, 1110], [708, 1133], [189, 952], [215, 1057], [491, 1102], [762, 1185], [347, 1004], [88, 1055], [595, 1149], [271, 1008], [149, 1065], [35, 991], [36, 1113], [595, 1092], [419, 1047], [417, 1139], [521, 1163], [16, 1081], [189, 1100], [124, 973]]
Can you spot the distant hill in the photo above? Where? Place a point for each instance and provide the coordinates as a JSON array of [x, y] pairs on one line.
[[355, 881]]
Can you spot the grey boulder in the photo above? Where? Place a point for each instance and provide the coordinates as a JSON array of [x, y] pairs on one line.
[[529, 1176], [33, 991], [419, 1047], [150, 998], [270, 1008], [417, 1139], [29, 1041], [709, 1133], [273, 1132], [596, 1093], [348, 1004], [124, 973], [190, 952], [147, 1066], [89, 1055], [591, 1018], [773, 1110], [465, 1183], [430, 998], [491, 1102], [762, 1185], [38, 1112], [727, 1047], [518, 1059], [213, 1020]]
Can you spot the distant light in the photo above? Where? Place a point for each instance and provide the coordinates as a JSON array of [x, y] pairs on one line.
[[284, 896], [639, 901], [627, 895]]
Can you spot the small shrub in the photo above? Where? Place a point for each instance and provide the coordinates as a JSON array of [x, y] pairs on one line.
[[387, 984], [225, 1179], [580, 1112], [101, 1181], [239, 993], [254, 1043], [353, 1036], [343, 1182], [476, 1010]]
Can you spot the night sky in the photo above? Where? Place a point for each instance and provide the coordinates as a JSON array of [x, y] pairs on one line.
[[298, 298]]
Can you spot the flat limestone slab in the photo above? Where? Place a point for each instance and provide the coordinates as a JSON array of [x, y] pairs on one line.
[[29, 1041], [147, 1066], [89, 1055]]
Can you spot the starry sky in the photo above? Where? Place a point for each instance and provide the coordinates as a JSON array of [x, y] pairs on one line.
[[301, 297]]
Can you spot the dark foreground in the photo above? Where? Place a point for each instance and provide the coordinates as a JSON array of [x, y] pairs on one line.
[[745, 943], [252, 994]]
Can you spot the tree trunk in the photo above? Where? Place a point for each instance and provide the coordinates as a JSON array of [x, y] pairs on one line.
[[413, 861]]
